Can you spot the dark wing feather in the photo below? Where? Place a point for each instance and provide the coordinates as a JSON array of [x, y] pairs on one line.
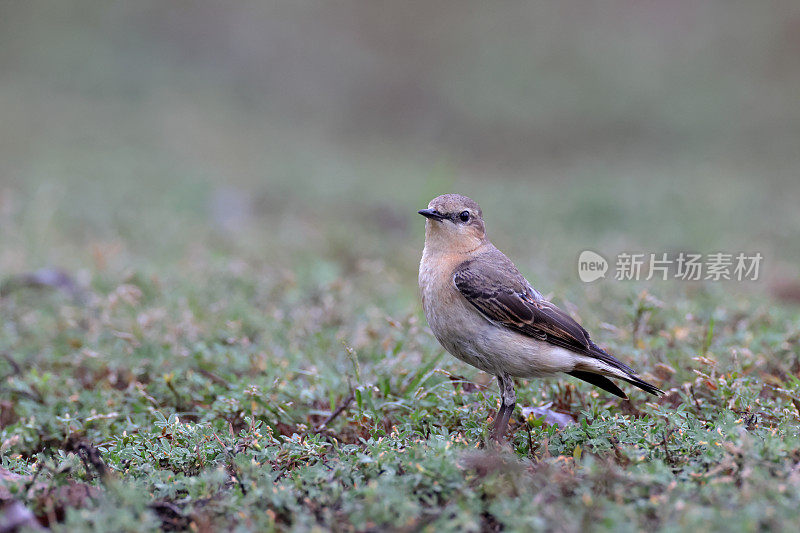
[[504, 297]]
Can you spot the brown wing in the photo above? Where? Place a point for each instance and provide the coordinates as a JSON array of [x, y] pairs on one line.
[[505, 298]]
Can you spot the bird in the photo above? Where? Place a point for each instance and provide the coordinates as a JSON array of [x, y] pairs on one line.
[[484, 312]]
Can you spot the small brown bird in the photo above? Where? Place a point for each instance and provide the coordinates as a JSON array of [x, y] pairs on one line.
[[484, 312]]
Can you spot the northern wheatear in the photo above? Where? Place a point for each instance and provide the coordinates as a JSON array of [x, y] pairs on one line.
[[484, 312]]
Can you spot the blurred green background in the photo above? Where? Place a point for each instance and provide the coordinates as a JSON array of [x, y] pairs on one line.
[[145, 134]]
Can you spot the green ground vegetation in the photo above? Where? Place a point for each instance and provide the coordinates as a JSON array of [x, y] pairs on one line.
[[211, 357]]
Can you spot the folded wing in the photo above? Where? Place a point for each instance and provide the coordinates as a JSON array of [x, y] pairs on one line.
[[504, 297]]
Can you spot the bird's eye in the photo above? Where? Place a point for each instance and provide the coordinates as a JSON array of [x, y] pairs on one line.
[[464, 216]]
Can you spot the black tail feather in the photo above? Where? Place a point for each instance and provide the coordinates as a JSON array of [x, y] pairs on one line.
[[607, 385], [599, 381], [599, 353], [645, 386]]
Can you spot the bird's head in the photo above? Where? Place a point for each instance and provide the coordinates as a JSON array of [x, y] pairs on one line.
[[455, 224]]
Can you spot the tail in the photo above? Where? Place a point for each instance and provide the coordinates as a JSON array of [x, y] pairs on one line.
[[607, 385], [612, 366], [645, 386]]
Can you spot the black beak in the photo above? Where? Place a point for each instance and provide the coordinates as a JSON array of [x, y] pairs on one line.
[[433, 214]]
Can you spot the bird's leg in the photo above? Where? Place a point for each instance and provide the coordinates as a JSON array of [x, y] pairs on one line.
[[509, 400], [498, 419]]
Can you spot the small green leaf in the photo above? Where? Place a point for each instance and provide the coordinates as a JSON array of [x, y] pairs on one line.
[[576, 453]]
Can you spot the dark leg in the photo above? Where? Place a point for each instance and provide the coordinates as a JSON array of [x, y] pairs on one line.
[[509, 400]]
